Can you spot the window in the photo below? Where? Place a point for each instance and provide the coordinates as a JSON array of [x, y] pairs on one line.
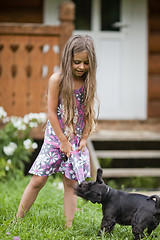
[[110, 13], [83, 14]]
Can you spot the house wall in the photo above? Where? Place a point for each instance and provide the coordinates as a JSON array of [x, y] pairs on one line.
[[143, 94], [154, 59], [21, 11]]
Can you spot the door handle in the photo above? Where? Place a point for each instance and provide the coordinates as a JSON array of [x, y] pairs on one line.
[[119, 25]]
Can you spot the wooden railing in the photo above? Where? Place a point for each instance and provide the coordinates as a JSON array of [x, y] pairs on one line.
[[29, 54]]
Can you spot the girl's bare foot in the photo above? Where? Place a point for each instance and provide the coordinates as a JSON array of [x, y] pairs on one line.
[[78, 209], [68, 224]]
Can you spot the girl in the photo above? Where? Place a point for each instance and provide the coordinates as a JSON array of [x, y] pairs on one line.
[[71, 95]]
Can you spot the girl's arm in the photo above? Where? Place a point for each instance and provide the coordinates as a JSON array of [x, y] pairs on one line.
[[53, 94]]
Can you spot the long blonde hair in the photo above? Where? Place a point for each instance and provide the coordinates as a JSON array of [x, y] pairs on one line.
[[75, 44]]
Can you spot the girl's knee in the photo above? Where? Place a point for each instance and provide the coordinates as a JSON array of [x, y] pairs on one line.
[[69, 183], [38, 182]]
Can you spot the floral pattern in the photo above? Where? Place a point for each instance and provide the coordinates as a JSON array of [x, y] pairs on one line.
[[51, 160]]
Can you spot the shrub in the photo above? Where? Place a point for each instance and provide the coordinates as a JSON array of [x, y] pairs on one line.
[[16, 145]]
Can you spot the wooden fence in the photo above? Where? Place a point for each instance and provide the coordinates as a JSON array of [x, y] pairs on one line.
[[29, 54]]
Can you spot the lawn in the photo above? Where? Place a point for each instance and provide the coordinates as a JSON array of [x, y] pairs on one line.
[[45, 220]]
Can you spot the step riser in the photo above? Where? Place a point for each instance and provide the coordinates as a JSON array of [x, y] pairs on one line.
[[130, 172], [127, 154], [119, 145]]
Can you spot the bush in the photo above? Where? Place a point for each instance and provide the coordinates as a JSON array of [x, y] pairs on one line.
[[16, 145]]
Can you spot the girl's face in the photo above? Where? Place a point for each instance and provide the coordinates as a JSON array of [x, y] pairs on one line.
[[80, 64]]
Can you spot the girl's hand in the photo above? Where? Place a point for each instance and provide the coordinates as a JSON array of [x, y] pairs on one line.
[[66, 147], [82, 145]]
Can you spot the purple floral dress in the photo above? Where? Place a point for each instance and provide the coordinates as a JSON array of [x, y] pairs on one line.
[[51, 159]]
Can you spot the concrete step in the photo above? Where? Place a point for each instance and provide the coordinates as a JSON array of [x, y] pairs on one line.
[[124, 154], [124, 135], [130, 172]]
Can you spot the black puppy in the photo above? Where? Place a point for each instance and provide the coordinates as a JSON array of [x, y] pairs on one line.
[[120, 207]]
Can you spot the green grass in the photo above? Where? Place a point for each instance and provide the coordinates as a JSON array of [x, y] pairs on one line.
[[45, 220]]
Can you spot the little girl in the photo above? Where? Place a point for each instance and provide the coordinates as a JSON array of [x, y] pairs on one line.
[[71, 94]]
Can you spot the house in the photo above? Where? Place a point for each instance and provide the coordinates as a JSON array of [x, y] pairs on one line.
[[126, 34], [127, 41]]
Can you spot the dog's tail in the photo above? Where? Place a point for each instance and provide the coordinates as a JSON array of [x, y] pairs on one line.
[[157, 201]]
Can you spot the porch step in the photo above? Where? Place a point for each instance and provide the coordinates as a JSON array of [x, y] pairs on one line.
[[124, 135], [102, 138], [121, 154], [130, 172]]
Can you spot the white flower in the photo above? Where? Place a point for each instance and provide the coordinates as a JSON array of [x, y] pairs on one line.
[[3, 114], [23, 127], [5, 120], [10, 149], [13, 145], [34, 145], [38, 117], [18, 123], [26, 119], [42, 117], [27, 144], [31, 119], [33, 124], [7, 168], [9, 161]]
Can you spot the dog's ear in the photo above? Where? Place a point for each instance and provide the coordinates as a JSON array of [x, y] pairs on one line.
[[99, 175]]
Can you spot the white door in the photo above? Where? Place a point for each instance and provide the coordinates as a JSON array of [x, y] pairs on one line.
[[119, 32]]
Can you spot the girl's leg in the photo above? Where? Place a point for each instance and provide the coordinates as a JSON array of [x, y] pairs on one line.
[[30, 194], [70, 200]]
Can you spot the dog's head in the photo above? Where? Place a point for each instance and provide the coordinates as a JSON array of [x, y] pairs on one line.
[[93, 191]]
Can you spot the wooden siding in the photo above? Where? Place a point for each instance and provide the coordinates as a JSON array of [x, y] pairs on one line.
[[21, 11], [154, 59]]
